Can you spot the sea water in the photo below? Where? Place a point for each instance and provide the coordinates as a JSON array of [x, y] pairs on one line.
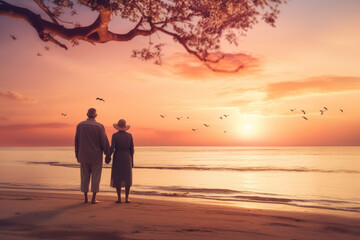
[[291, 178]]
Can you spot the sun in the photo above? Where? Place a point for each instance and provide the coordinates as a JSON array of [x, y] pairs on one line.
[[248, 127]]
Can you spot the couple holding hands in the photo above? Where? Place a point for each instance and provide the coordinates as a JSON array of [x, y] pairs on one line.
[[91, 143]]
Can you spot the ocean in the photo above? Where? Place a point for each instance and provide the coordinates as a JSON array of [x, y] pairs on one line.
[[321, 179]]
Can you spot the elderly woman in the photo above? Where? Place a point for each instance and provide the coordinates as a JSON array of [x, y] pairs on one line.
[[123, 159]]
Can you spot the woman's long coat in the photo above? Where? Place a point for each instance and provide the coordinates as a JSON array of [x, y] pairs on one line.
[[121, 170]]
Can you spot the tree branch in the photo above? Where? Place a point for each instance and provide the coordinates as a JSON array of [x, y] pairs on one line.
[[198, 26], [47, 37], [96, 32], [41, 4], [206, 61]]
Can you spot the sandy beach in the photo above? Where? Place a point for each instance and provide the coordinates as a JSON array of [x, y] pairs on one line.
[[40, 215]]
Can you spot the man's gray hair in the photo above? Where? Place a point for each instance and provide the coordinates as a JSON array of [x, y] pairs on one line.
[[91, 113]]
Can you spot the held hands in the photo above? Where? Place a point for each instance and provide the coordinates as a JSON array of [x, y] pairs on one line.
[[107, 160]]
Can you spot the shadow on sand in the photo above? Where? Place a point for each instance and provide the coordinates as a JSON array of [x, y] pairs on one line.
[[35, 225]]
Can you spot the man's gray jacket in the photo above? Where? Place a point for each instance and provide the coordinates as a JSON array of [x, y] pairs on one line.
[[91, 142]]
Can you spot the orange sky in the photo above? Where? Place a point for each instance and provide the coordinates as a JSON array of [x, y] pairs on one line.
[[310, 60]]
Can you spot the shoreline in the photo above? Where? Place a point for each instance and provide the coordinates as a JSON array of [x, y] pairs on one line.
[[37, 214], [207, 201]]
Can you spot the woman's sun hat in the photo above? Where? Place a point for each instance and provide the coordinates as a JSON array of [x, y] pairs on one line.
[[121, 125]]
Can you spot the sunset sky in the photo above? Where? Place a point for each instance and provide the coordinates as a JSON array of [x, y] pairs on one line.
[[309, 61]]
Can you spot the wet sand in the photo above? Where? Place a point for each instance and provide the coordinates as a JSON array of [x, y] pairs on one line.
[[40, 215]]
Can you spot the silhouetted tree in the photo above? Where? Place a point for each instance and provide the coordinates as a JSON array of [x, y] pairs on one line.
[[198, 25]]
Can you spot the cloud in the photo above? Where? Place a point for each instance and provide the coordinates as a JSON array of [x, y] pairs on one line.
[[278, 90], [2, 118], [39, 134], [320, 84], [189, 67], [33, 126], [17, 97]]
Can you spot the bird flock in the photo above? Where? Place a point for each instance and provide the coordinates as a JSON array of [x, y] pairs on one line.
[[206, 125], [322, 111]]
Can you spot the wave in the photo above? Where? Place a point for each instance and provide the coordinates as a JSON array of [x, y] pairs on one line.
[[227, 195], [220, 195], [202, 168]]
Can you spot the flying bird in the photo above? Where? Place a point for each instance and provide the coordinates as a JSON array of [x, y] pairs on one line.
[[225, 131], [47, 48], [39, 54], [220, 117], [303, 111], [194, 129], [304, 117], [13, 37], [206, 125], [178, 118], [100, 99], [226, 115], [322, 112], [188, 117], [163, 116], [341, 110], [325, 108], [64, 114], [292, 109]]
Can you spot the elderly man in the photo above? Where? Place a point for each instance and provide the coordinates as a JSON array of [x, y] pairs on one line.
[[91, 143]]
